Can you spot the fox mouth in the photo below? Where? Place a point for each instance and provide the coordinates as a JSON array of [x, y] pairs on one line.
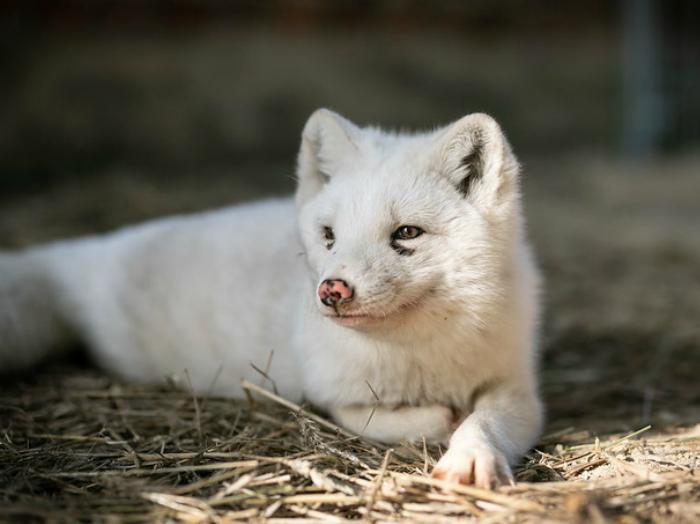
[[355, 319], [359, 318]]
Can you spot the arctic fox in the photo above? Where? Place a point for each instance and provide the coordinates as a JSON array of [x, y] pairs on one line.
[[400, 270]]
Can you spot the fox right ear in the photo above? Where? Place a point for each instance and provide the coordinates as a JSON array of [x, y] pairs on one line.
[[328, 141], [477, 159]]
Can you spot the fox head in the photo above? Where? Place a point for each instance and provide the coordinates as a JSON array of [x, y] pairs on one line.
[[399, 228]]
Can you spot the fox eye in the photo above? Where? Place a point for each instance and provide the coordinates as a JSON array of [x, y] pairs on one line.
[[328, 236], [404, 233], [407, 233]]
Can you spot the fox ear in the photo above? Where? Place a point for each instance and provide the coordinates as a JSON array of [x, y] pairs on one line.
[[476, 157], [328, 141]]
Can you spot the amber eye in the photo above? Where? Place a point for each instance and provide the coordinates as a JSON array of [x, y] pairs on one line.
[[407, 233], [328, 236]]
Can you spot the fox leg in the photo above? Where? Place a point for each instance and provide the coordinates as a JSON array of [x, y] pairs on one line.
[[387, 424]]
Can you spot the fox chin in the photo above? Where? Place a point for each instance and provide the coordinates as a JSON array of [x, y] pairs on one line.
[[400, 268]]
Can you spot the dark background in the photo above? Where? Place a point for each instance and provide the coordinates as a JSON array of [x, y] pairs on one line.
[[115, 112], [198, 85]]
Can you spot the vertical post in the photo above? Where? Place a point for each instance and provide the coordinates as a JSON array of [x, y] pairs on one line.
[[643, 107]]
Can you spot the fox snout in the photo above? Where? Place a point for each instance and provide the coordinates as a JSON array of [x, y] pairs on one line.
[[334, 292]]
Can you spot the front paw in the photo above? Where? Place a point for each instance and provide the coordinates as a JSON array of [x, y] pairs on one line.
[[480, 465]]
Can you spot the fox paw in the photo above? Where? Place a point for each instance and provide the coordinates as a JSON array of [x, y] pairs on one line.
[[480, 465]]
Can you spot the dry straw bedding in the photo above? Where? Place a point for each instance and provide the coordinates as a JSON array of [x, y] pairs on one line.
[[76, 445]]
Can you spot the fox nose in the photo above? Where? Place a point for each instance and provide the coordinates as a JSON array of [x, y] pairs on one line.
[[334, 291]]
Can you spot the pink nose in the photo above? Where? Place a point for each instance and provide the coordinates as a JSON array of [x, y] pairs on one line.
[[334, 291]]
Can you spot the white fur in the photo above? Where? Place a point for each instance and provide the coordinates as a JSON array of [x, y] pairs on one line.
[[450, 328]]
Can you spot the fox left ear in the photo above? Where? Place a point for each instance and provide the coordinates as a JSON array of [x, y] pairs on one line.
[[327, 142], [475, 155]]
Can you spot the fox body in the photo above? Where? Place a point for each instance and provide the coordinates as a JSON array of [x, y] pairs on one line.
[[396, 291]]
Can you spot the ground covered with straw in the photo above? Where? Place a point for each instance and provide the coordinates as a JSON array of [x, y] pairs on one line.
[[621, 361], [79, 446]]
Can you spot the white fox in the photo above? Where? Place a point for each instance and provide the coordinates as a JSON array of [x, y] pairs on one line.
[[399, 270]]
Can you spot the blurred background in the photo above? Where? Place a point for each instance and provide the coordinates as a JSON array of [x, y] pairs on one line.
[[112, 112]]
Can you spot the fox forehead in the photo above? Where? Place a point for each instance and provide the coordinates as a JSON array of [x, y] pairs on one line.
[[392, 193], [393, 154]]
